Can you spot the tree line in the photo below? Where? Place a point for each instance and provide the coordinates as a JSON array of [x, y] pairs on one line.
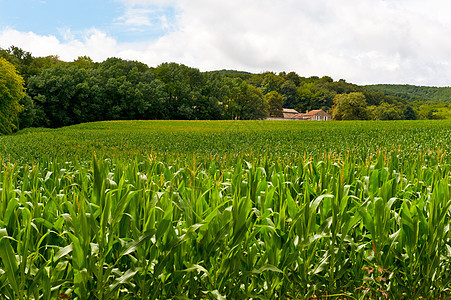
[[429, 102], [345, 101], [414, 93], [59, 93]]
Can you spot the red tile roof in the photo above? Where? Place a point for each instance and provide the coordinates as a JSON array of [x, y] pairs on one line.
[[298, 116]]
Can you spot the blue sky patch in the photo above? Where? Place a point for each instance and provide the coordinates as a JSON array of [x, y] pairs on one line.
[[60, 17]]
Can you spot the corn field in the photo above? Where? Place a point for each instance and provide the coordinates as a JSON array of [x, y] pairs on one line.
[[227, 210]]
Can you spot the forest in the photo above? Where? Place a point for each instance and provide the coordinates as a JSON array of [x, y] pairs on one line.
[[429, 101], [59, 93], [413, 92]]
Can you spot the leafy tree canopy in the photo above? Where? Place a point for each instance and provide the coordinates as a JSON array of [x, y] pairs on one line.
[[386, 111], [11, 92], [350, 106], [62, 93], [275, 103]]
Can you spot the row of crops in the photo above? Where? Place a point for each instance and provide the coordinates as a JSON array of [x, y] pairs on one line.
[[238, 210]]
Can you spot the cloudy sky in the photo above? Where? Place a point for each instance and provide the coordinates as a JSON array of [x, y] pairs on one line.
[[361, 41]]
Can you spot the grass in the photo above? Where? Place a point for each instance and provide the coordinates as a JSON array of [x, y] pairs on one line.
[[189, 210]]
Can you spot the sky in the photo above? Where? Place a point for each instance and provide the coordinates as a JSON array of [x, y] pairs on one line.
[[361, 41]]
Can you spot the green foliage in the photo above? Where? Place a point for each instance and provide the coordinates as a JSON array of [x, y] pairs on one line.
[[433, 110], [84, 62], [271, 83], [414, 93], [385, 111], [311, 93], [11, 92], [118, 89], [314, 97], [428, 102], [290, 94], [275, 102], [410, 113], [293, 210], [26, 64], [31, 114], [65, 95], [182, 86], [350, 106], [246, 102], [122, 90]]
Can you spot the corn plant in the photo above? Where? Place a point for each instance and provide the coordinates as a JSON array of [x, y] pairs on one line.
[[272, 220]]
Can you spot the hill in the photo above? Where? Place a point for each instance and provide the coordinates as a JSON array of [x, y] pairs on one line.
[[413, 92]]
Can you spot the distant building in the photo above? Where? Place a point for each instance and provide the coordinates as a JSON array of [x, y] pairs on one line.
[[289, 113], [313, 115]]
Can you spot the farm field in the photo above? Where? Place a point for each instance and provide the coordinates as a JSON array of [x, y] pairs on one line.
[[227, 209]]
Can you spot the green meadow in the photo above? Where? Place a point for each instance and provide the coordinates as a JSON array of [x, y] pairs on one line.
[[227, 209]]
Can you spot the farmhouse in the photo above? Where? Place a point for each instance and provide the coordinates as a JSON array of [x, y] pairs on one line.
[[313, 115], [289, 113]]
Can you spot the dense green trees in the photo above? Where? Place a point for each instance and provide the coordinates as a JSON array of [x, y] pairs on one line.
[[63, 93], [350, 106], [424, 101], [414, 93], [26, 64], [311, 93], [275, 103], [245, 102], [11, 92], [115, 89], [385, 111]]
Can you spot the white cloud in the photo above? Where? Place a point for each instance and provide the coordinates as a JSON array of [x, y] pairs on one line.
[[362, 41], [145, 16], [94, 43], [136, 17]]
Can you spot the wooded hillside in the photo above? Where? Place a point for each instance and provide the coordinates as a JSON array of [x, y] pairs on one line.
[[413, 92], [62, 93]]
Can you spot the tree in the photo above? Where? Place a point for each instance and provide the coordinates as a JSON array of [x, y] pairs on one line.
[[271, 82], [19, 58], [68, 95], [386, 111], [275, 102], [11, 92], [409, 113], [210, 103], [84, 62], [289, 93], [246, 102], [350, 106], [178, 100], [29, 114], [295, 78]]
